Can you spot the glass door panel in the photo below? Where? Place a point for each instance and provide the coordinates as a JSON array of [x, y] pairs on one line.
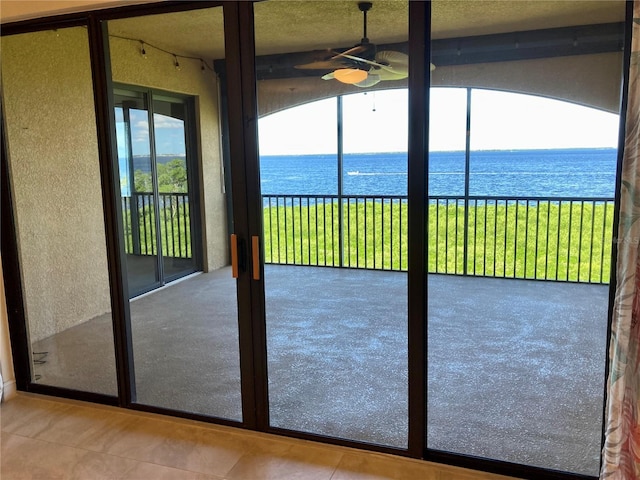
[[137, 191], [333, 176], [55, 178], [159, 201], [520, 249], [170, 119], [184, 335]]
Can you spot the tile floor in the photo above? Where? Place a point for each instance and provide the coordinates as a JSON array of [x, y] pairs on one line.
[[47, 438]]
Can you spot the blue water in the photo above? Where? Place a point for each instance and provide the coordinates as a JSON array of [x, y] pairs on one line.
[[527, 173]]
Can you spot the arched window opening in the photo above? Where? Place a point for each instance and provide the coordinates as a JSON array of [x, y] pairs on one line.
[[493, 155]]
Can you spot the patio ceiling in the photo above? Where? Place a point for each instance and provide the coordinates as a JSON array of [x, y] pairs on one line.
[[294, 26]]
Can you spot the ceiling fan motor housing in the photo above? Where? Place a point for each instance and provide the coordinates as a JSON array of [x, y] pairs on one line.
[[362, 65]]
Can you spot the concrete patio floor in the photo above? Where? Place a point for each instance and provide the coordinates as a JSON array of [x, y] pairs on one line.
[[516, 368]]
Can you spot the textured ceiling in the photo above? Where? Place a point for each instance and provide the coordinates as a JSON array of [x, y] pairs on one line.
[[197, 33], [293, 26], [459, 18]]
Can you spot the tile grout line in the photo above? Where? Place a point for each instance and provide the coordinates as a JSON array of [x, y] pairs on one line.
[[335, 469]]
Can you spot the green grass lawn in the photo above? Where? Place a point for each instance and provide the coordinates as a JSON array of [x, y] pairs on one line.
[[568, 241], [175, 231]]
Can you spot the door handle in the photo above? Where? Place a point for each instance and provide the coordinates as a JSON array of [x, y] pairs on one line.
[[234, 255], [255, 252]]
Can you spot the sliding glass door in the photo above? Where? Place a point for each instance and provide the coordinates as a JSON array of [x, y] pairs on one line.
[[520, 232], [178, 193], [54, 179], [417, 264], [184, 336], [139, 207], [333, 168], [159, 199]]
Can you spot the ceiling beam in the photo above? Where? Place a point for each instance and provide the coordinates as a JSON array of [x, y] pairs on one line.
[[501, 47], [528, 45]]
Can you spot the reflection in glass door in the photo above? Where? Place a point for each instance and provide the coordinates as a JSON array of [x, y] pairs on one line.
[[333, 163], [184, 336], [157, 197], [137, 192], [55, 182], [176, 195]]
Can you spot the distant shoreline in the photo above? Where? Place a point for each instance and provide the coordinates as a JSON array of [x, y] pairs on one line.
[[569, 172], [522, 150]]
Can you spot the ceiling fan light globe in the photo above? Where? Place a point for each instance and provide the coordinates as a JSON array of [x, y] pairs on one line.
[[350, 76]]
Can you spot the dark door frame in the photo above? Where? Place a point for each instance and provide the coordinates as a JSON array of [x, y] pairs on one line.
[[245, 80]]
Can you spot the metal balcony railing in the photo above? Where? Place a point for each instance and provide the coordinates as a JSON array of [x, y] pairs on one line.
[[561, 239], [140, 224]]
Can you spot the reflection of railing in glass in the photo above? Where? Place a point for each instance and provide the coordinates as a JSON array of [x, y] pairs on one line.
[[564, 239], [140, 235]]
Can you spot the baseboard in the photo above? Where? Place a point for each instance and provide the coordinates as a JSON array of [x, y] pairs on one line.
[[9, 390]]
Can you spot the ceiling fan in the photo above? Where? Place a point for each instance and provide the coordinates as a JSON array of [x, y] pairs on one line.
[[362, 65]]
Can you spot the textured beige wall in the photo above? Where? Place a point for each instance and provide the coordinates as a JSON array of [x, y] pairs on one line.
[[55, 173], [50, 118], [591, 80], [158, 71]]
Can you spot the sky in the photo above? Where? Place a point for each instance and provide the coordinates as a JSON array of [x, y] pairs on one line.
[[169, 134], [376, 122]]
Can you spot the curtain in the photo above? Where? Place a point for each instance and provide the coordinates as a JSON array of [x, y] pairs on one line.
[[621, 453]]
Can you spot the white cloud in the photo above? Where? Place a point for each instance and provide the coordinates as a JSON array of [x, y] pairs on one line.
[[163, 121]]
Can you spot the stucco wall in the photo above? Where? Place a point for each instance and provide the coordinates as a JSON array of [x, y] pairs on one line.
[[157, 71], [590, 80], [51, 133], [50, 119]]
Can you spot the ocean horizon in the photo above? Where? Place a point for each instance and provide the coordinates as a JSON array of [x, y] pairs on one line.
[[577, 172], [583, 172]]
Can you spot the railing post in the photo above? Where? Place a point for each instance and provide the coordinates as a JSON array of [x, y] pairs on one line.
[[134, 211], [467, 161]]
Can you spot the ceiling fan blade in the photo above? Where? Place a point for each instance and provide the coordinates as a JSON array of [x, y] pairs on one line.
[[352, 51], [393, 59], [371, 80], [368, 62], [321, 65], [397, 65], [386, 75]]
